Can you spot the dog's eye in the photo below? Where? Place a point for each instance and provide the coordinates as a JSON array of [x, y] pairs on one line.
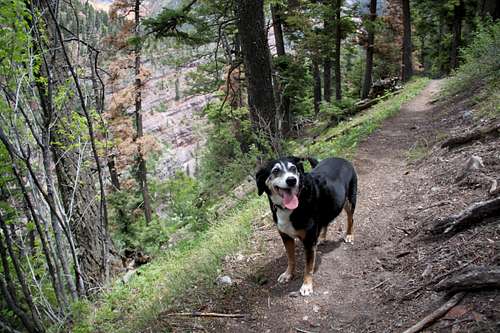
[[293, 168], [276, 171]]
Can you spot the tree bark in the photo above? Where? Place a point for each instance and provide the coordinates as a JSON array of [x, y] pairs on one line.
[[475, 213], [338, 39], [284, 106], [278, 30], [317, 86], [458, 14], [327, 79], [367, 83], [46, 141], [142, 169], [406, 66], [257, 60]]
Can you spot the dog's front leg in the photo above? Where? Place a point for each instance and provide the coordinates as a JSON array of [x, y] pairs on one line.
[[307, 285], [290, 254]]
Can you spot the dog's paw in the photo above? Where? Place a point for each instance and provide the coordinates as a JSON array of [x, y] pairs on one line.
[[285, 277], [306, 289], [349, 239]]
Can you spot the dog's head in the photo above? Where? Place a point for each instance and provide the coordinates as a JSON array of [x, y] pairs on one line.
[[281, 180]]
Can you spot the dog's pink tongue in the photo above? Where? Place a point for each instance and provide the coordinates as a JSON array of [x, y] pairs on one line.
[[290, 200]]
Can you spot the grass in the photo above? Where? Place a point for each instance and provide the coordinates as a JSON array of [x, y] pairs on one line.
[[131, 307]]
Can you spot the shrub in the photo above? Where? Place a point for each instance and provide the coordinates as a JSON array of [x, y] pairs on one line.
[[481, 63]]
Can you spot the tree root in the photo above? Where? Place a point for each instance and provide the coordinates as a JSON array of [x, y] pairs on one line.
[[472, 136], [471, 279], [441, 311], [471, 215]]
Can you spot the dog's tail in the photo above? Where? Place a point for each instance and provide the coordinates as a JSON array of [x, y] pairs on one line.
[[352, 193]]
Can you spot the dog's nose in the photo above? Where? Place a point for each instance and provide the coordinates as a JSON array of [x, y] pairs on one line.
[[291, 181]]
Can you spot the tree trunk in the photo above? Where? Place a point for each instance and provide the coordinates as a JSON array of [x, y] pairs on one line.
[[257, 60], [142, 169], [278, 30], [367, 83], [338, 39], [327, 79], [406, 66], [491, 8], [317, 86], [458, 14], [77, 192], [284, 106]]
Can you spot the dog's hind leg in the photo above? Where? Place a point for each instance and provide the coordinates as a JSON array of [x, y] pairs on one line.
[[289, 243], [349, 237]]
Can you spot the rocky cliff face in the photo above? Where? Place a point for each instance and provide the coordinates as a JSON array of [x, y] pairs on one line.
[[173, 118], [169, 115]]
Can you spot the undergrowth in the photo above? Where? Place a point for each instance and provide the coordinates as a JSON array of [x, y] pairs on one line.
[[478, 73], [130, 307]]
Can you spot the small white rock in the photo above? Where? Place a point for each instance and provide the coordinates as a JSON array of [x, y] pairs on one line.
[[315, 308], [224, 280]]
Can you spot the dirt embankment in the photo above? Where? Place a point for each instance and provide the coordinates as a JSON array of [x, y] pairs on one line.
[[382, 283]]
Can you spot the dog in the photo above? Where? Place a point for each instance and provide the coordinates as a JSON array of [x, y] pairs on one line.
[[304, 204]]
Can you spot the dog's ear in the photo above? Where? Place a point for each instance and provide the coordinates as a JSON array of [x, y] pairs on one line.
[[312, 161], [299, 162], [261, 178]]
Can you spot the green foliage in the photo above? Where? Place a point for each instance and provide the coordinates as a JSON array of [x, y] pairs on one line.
[[296, 82], [336, 110], [15, 41], [180, 203], [206, 78], [230, 149], [481, 62], [179, 23]]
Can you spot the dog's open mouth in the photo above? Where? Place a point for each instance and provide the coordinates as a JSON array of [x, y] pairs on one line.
[[290, 200]]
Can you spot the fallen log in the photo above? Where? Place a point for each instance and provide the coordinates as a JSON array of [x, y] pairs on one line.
[[472, 136], [431, 318], [471, 215], [471, 279]]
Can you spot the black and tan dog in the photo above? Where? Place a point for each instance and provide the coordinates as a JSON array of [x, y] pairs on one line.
[[303, 204]]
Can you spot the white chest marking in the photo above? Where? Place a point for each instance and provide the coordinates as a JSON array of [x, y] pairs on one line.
[[284, 223]]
